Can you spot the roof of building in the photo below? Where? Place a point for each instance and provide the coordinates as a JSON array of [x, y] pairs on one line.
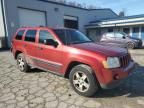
[[120, 21], [119, 18], [67, 5]]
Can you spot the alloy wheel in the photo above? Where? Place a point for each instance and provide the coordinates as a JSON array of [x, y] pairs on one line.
[[21, 63], [81, 82]]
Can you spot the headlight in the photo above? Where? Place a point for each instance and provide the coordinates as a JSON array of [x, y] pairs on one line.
[[111, 62], [136, 40]]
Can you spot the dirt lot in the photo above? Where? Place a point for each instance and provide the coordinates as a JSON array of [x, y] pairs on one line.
[[39, 89]]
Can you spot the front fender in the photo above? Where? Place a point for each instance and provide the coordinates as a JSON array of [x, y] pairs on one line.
[[93, 63]]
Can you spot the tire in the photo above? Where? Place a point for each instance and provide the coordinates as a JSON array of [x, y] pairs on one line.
[[130, 45], [83, 81], [22, 64]]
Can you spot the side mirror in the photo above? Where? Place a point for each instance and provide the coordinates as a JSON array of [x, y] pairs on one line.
[[124, 37], [50, 42]]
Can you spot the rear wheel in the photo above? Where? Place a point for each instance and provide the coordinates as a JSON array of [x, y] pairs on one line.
[[83, 81], [22, 64], [131, 45]]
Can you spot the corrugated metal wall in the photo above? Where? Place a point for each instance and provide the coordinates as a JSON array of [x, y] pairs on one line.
[[2, 30]]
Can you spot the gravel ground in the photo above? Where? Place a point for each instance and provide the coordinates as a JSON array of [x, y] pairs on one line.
[[39, 89]]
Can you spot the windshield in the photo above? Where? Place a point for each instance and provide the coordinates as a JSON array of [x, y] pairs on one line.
[[70, 36], [120, 34], [124, 34]]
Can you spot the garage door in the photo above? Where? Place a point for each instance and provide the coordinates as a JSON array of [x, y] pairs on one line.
[[31, 18]]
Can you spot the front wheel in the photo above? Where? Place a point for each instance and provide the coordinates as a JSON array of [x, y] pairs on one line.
[[83, 81], [131, 45]]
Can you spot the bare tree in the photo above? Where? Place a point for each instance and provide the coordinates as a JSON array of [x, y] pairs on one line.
[[91, 7], [73, 3], [121, 13], [62, 1], [79, 5]]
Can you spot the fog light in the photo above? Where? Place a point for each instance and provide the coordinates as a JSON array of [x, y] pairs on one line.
[[116, 77]]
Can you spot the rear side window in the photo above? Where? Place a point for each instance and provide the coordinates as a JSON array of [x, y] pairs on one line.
[[43, 35], [19, 35], [30, 35]]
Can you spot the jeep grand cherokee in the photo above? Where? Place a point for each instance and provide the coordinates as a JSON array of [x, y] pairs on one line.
[[71, 54]]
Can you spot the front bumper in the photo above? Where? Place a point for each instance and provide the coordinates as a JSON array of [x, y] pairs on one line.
[[115, 77], [139, 44]]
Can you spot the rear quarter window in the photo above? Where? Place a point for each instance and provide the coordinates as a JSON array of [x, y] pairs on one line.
[[19, 35]]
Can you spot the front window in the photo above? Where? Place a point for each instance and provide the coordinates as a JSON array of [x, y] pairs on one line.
[[68, 36], [120, 35], [43, 35]]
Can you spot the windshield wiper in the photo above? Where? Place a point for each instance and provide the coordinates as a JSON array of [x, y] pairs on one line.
[[81, 42]]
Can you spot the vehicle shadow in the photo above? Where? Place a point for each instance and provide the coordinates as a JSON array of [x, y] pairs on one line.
[[132, 87], [142, 47], [4, 49], [139, 48], [36, 70]]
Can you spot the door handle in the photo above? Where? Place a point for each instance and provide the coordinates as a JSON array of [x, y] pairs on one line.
[[24, 45], [40, 48]]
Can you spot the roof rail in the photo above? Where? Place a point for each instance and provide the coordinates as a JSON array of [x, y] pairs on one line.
[[31, 26], [41, 26]]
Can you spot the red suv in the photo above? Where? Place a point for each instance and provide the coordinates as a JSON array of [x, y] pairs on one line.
[[71, 54]]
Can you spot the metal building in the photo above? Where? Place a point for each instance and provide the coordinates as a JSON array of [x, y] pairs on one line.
[[18, 13]]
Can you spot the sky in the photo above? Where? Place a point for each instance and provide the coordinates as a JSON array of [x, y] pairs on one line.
[[131, 7]]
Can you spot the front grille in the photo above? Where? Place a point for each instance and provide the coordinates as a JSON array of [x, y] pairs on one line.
[[140, 44], [124, 60]]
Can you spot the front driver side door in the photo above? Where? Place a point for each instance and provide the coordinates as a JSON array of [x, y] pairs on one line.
[[49, 57]]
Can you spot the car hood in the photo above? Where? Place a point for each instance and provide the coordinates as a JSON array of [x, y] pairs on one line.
[[134, 38], [101, 48]]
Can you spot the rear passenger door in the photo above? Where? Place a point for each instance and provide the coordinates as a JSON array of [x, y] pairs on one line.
[[30, 46]]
